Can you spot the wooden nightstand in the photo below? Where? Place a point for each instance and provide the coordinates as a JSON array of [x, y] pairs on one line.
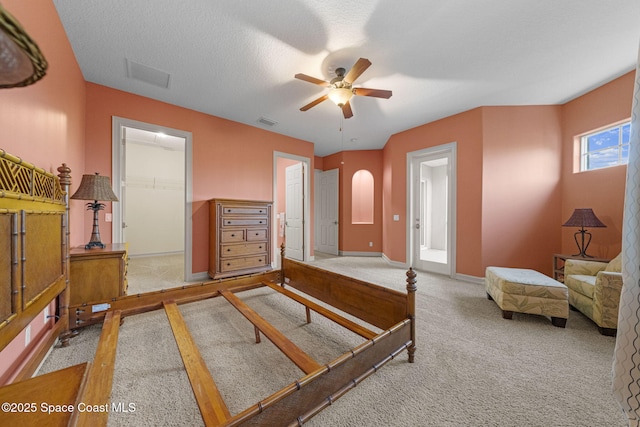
[[97, 276], [559, 260]]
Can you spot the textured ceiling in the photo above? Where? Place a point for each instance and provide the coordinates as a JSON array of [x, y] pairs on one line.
[[236, 59]]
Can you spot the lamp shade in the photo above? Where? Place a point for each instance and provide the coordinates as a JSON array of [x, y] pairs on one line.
[[95, 187], [583, 217]]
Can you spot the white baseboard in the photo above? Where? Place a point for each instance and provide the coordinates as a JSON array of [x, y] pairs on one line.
[[348, 253], [394, 263], [471, 279], [200, 276]]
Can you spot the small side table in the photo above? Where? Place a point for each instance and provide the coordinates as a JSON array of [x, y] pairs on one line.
[[559, 260], [97, 276]]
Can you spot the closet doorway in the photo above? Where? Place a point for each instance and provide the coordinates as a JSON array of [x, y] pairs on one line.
[[152, 170], [431, 224]]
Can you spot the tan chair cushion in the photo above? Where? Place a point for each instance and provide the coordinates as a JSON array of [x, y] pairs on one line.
[[581, 284]]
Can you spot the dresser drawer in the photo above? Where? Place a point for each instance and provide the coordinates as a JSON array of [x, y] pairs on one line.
[[256, 234], [236, 222], [230, 236], [246, 249], [241, 263], [244, 210]]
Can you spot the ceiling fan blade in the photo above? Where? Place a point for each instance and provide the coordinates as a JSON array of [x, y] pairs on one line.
[[314, 103], [378, 93], [313, 80], [358, 68], [346, 110]]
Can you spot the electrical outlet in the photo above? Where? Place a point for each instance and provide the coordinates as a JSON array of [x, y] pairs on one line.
[[27, 335], [370, 244], [46, 314], [396, 217], [108, 217]]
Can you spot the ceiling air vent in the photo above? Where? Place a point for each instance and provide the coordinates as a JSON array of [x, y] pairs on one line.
[[267, 122], [147, 74]]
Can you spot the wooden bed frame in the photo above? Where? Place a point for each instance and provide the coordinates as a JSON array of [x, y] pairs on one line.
[[28, 220]]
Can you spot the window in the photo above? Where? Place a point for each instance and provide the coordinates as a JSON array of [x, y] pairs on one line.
[[604, 148], [362, 195]]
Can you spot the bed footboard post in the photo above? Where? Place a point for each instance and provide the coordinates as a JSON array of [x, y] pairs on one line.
[[282, 264], [411, 310], [63, 301]]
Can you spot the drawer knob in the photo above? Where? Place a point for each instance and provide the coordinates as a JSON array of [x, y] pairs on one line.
[[229, 250], [228, 264], [233, 235], [259, 247]]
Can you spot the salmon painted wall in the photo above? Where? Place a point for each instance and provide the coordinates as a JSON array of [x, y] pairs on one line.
[[355, 238], [465, 129], [230, 160], [521, 197], [44, 125], [602, 189]]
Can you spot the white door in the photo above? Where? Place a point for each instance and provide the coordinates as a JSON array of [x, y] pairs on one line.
[[294, 212], [432, 210], [327, 209]]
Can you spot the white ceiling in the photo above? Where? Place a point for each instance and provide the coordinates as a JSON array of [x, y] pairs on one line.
[[236, 59]]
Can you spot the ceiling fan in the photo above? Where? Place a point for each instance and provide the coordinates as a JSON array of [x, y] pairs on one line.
[[341, 87]]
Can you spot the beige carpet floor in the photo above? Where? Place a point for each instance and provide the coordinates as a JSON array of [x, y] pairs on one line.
[[472, 368]]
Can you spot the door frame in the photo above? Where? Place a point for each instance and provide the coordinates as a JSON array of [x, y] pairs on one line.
[[117, 124], [451, 150], [306, 188]]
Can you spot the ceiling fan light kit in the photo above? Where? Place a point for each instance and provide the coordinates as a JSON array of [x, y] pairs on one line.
[[341, 89], [340, 95]]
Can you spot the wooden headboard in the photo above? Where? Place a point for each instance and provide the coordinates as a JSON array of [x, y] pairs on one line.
[[34, 246]]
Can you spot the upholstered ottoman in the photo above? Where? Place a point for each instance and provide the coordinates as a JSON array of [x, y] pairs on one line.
[[522, 290]]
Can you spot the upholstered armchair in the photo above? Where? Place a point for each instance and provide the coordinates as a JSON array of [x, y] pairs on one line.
[[594, 289]]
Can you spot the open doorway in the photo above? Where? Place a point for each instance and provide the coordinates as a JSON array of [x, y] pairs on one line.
[[152, 180], [292, 206], [432, 209]]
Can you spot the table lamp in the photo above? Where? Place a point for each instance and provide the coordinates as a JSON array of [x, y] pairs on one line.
[[96, 188], [583, 218]]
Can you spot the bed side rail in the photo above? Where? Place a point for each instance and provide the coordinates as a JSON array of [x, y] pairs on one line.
[[100, 378], [300, 401]]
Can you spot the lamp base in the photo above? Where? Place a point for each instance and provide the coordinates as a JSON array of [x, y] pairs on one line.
[[92, 245], [583, 244], [95, 241]]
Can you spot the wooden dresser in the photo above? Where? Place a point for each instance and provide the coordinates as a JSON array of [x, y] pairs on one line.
[[96, 277], [239, 237]]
